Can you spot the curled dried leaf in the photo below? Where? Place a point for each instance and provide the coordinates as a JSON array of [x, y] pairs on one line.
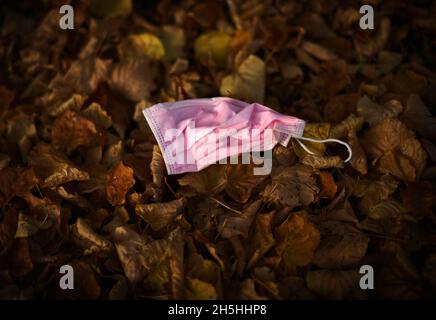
[[324, 162], [53, 167]]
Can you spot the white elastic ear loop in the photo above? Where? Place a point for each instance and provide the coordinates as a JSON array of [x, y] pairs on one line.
[[350, 152]]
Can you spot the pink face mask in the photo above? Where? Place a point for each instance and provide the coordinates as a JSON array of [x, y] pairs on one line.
[[193, 134]]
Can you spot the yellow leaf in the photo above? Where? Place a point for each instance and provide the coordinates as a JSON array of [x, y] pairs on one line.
[[248, 83], [26, 226], [200, 290], [173, 40], [213, 48], [314, 131], [144, 45]]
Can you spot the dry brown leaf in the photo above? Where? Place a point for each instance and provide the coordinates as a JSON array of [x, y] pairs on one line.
[[342, 245], [292, 186], [98, 115], [358, 160], [322, 162], [71, 131], [374, 191], [158, 215], [15, 182], [158, 172], [332, 284], [209, 181], [297, 239], [119, 180], [419, 118], [232, 224], [318, 51], [53, 167], [262, 239], [395, 148], [373, 112], [132, 79], [241, 181], [327, 185], [88, 239]]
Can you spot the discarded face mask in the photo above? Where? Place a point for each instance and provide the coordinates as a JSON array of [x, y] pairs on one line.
[[193, 134]]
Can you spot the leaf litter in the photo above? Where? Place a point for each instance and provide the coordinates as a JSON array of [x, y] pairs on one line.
[[83, 182]]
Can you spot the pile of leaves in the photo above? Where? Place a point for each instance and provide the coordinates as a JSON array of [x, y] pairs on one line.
[[83, 183]]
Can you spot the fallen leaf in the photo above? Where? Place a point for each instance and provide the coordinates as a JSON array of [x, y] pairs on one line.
[[209, 181], [232, 224], [53, 167], [293, 186], [71, 131], [118, 182], [395, 148], [342, 245], [297, 239], [132, 79], [328, 187], [158, 215], [419, 118], [213, 48], [248, 83], [332, 284], [241, 181], [143, 45]]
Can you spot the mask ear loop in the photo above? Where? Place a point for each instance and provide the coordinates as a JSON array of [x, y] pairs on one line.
[[350, 152]]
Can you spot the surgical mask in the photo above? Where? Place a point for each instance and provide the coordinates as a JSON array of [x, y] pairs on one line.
[[193, 134]]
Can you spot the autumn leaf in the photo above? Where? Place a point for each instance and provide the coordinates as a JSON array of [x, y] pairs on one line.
[[332, 284], [158, 172], [342, 245], [132, 79], [88, 239], [144, 45], [395, 148], [118, 182], [373, 113], [158, 215], [241, 181], [209, 181], [293, 186], [418, 117], [314, 131], [15, 182], [213, 48], [71, 131], [297, 239], [232, 224], [328, 187], [262, 239], [53, 167], [373, 192], [248, 83], [200, 290]]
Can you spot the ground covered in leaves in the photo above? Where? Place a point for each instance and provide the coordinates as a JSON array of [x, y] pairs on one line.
[[82, 181]]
